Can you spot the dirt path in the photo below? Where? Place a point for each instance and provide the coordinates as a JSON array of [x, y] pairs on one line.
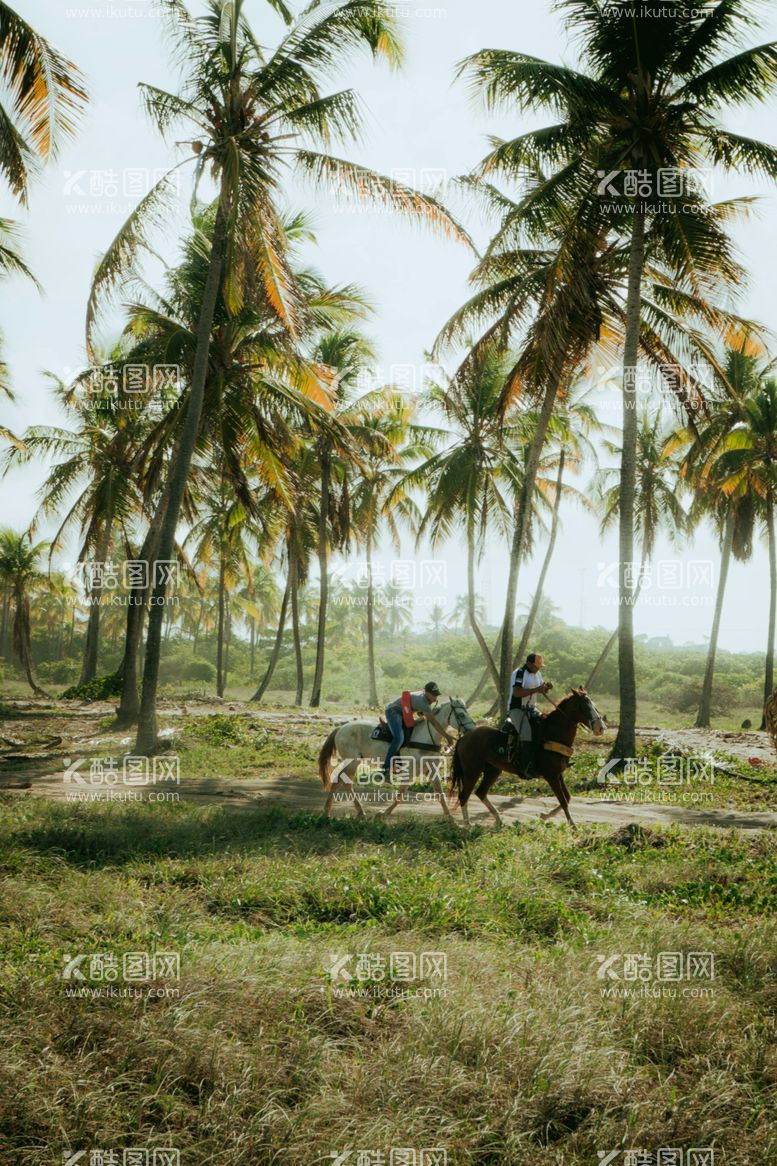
[[307, 796], [37, 735]]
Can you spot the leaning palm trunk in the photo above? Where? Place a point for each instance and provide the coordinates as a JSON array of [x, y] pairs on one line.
[[373, 684], [626, 740], [276, 651], [92, 645], [295, 632], [22, 640], [147, 734], [521, 530], [531, 618], [323, 572], [491, 667], [128, 711], [608, 647], [220, 678], [705, 703], [769, 670], [6, 623]]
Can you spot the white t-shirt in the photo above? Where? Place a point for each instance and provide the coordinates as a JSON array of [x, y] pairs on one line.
[[528, 680]]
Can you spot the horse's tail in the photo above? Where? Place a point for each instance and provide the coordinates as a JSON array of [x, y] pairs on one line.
[[325, 759], [457, 771]]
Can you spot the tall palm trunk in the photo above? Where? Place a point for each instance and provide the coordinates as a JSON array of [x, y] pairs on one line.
[[252, 625], [22, 637], [769, 670], [128, 711], [276, 651], [626, 740], [220, 632], [608, 647], [147, 727], [323, 572], [471, 597], [92, 645], [485, 675], [521, 530], [372, 680], [198, 625], [294, 585], [705, 703], [228, 637], [531, 618], [6, 623]]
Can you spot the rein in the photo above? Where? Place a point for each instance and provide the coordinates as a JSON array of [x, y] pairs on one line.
[[582, 724]]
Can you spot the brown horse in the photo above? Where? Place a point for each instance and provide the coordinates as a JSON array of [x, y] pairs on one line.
[[483, 754]]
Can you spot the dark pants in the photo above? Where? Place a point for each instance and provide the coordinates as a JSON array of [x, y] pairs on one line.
[[397, 726]]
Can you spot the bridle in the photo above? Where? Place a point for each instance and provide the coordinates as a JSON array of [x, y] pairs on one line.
[[456, 706], [587, 727]]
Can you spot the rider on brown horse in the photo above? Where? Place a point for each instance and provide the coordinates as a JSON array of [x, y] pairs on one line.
[[523, 714]]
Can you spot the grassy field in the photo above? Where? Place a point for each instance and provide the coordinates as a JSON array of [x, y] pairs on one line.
[[289, 1037]]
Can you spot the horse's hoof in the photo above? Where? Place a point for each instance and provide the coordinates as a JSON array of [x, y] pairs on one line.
[[544, 817]]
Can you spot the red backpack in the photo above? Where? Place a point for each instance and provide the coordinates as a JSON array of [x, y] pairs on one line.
[[407, 710]]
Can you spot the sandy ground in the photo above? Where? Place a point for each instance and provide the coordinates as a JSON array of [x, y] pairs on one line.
[[36, 736]]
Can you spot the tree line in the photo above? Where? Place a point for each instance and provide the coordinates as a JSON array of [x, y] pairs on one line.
[[263, 448]]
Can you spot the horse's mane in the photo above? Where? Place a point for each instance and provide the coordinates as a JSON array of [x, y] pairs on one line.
[[573, 694]]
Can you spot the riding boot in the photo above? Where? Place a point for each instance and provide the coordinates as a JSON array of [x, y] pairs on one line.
[[532, 765]]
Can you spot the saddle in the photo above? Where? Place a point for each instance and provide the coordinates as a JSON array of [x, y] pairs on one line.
[[522, 753], [382, 732], [518, 752]]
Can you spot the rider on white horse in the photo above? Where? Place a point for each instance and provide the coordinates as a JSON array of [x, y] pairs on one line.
[[423, 703]]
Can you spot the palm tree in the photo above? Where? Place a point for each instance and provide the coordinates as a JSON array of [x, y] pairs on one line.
[[570, 432], [258, 600], [438, 620], [59, 600], [43, 98], [96, 460], [656, 503], [250, 113], [20, 572], [346, 353], [470, 480], [649, 103], [390, 440], [225, 534], [732, 462], [732, 513]]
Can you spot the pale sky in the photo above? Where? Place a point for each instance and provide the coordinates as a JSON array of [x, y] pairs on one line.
[[417, 120]]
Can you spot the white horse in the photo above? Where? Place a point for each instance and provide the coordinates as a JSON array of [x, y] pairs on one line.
[[353, 741]]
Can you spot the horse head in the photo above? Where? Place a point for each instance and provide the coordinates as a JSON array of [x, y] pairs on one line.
[[578, 705], [453, 713]]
